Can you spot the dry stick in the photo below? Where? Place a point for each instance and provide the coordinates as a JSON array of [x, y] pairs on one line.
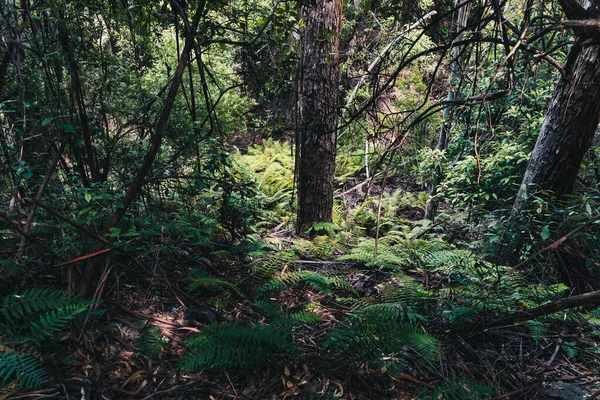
[[557, 243], [387, 168], [68, 220], [38, 197]]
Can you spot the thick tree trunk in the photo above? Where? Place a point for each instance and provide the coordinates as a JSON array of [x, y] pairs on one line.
[[571, 121], [319, 87]]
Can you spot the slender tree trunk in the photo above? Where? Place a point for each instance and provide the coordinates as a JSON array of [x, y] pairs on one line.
[[566, 134], [155, 144], [319, 91], [461, 23]]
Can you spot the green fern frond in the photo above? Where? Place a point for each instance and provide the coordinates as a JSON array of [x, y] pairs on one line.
[[265, 268], [151, 342], [324, 227], [53, 321], [449, 258], [305, 317], [371, 339], [19, 306], [26, 368], [10, 267], [201, 281], [323, 283], [234, 345], [389, 311], [270, 309], [537, 330]]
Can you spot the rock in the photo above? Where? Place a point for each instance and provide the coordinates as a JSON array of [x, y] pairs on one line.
[[562, 391], [203, 315]]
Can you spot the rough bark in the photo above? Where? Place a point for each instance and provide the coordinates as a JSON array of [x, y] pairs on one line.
[[566, 134], [318, 111]]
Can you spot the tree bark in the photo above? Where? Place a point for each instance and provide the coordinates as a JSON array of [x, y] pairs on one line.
[[571, 121], [318, 111], [589, 300]]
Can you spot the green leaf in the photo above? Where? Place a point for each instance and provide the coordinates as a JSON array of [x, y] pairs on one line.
[[545, 232], [88, 197], [115, 231], [46, 121], [67, 128]]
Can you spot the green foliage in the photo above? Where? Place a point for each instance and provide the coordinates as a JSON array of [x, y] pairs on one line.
[[24, 367], [397, 250], [10, 267], [199, 280], [151, 342], [234, 345], [272, 163], [31, 322], [324, 284], [368, 336]]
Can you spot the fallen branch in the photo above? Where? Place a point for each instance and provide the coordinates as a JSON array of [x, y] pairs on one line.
[[590, 299]]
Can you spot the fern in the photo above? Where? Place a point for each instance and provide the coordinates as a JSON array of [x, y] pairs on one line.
[[151, 342], [18, 306], [54, 321], [10, 267], [265, 268], [200, 280], [324, 227], [324, 284], [376, 337], [26, 368], [305, 317], [30, 322], [234, 345]]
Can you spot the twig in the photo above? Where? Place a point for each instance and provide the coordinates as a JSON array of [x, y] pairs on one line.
[[557, 243]]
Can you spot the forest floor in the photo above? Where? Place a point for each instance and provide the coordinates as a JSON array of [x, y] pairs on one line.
[[109, 366]]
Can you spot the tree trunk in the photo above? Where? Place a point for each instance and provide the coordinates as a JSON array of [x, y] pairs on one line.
[[571, 121], [318, 113], [461, 22]]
